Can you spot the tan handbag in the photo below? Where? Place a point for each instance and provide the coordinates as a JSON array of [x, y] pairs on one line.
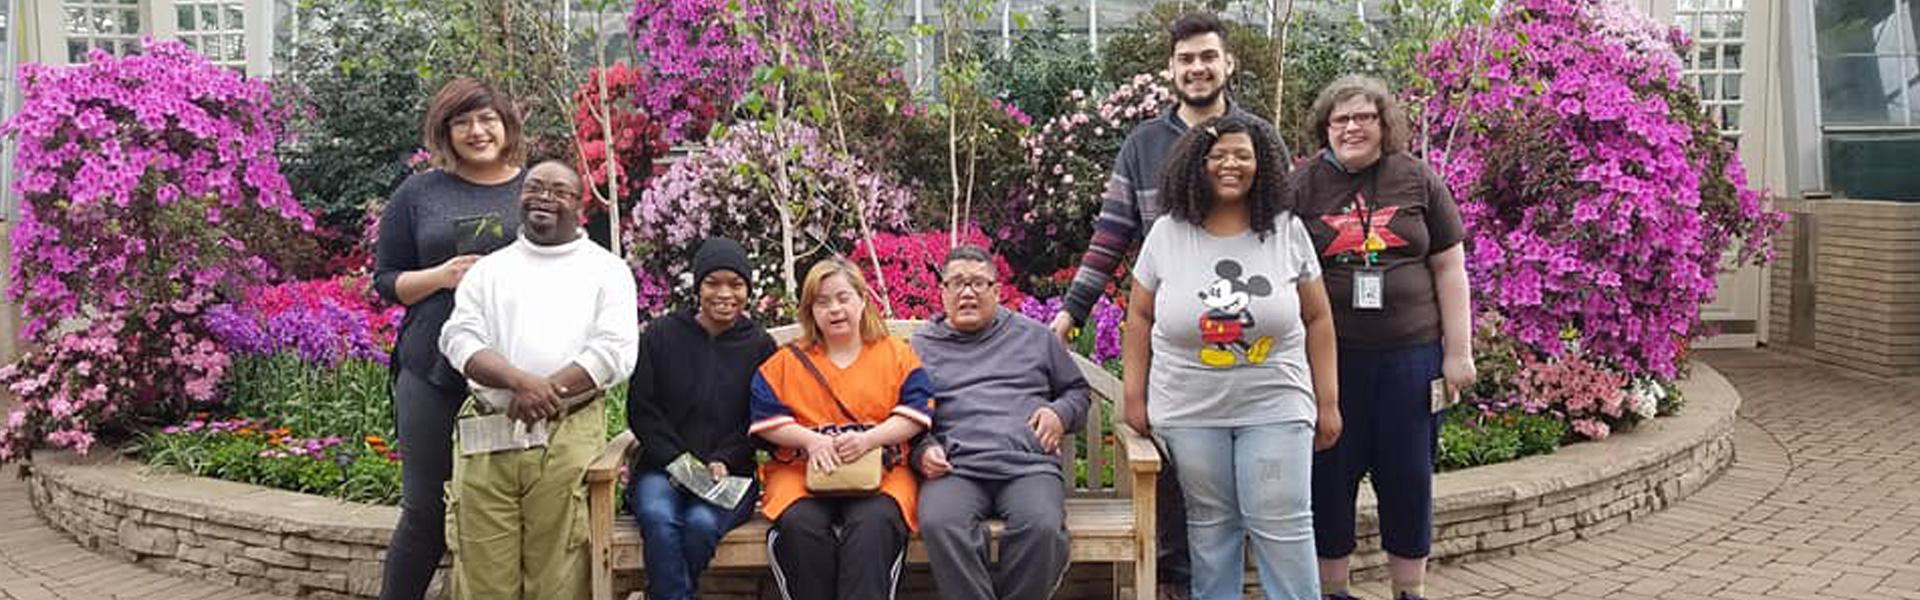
[[859, 477]]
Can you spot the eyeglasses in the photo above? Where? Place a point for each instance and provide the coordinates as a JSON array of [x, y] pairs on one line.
[[556, 192], [465, 122], [1362, 119], [962, 285]]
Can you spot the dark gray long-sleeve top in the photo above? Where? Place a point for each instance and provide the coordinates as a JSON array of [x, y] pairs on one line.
[[987, 384], [432, 217]]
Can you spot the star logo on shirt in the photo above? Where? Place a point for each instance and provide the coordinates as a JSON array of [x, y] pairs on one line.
[[1351, 231]]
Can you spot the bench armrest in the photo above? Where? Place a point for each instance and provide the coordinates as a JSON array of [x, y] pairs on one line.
[[1142, 456], [606, 467], [1143, 466], [603, 475]]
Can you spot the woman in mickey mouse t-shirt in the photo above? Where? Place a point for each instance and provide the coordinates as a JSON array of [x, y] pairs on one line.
[[1228, 343], [1388, 236]]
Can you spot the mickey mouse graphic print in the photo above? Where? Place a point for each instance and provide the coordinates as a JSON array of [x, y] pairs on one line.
[[1229, 349]]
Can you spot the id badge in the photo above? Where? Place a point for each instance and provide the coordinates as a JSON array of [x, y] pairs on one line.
[[1369, 289], [1439, 396]]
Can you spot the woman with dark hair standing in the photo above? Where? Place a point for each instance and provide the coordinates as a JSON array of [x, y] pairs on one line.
[[1389, 239], [1229, 357], [433, 228]]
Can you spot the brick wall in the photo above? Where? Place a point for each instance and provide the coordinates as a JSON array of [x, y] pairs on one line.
[[1846, 284]]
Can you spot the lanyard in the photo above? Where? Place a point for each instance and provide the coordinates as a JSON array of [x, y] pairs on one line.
[[1369, 178]]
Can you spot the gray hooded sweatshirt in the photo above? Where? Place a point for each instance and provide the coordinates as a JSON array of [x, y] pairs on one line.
[[988, 384]]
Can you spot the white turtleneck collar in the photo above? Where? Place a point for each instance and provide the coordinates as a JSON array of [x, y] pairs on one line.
[[556, 250]]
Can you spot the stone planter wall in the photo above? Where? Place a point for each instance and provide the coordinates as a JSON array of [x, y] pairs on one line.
[[302, 545], [269, 540]]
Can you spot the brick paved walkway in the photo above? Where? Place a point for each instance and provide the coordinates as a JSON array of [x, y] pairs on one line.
[[39, 563], [1822, 501]]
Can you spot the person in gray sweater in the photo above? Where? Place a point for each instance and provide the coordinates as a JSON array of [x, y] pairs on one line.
[[1007, 394]]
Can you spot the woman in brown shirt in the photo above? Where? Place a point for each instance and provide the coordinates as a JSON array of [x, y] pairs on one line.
[[1389, 239]]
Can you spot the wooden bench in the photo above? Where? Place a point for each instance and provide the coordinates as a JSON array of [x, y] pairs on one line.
[[1107, 522]]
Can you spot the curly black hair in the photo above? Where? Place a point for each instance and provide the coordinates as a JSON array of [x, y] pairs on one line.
[[1188, 192]]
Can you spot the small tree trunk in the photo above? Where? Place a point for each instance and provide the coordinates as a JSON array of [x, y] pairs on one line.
[[1282, 21]]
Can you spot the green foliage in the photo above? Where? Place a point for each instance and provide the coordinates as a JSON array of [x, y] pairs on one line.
[[523, 47], [1321, 46], [1671, 403], [1497, 357], [350, 400], [359, 73], [1413, 25], [1042, 66], [354, 476], [1469, 438]]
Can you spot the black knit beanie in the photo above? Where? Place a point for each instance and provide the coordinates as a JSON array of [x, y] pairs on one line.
[[721, 253]]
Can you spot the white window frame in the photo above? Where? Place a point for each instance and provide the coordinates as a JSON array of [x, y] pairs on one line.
[[10, 102], [1711, 82], [160, 19], [1900, 18], [211, 39], [110, 12]]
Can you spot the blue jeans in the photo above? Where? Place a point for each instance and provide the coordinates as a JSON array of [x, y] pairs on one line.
[[1242, 481], [679, 532]]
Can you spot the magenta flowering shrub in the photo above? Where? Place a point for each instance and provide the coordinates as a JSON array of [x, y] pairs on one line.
[[323, 321], [911, 265], [1068, 161], [1596, 196], [728, 190], [149, 187], [1099, 339], [697, 57]]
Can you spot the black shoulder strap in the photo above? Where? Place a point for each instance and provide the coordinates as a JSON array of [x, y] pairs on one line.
[[822, 379]]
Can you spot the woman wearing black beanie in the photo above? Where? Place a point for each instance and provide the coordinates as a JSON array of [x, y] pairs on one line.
[[688, 396]]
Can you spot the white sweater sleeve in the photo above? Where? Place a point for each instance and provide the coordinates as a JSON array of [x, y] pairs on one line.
[[614, 345], [466, 333]]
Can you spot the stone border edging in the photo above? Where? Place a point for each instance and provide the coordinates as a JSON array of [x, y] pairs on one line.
[[305, 545], [1580, 491]]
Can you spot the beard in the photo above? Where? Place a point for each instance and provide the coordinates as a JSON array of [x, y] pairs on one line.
[[1199, 101]]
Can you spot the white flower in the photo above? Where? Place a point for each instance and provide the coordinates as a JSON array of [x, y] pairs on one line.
[[1646, 395]]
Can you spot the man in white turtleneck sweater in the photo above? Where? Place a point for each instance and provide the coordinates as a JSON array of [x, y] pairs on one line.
[[540, 328]]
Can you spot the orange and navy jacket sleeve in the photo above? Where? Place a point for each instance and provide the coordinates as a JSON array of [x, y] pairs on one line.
[[916, 389], [768, 411]]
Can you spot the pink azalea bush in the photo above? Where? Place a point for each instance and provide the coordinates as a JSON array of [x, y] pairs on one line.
[[728, 190], [1068, 161], [697, 57], [1595, 193], [149, 186], [1591, 398], [911, 265]]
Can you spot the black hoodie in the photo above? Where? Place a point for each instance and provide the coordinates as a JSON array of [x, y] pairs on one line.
[[689, 391]]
